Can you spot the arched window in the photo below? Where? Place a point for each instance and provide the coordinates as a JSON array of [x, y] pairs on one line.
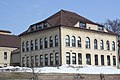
[[51, 41], [27, 46], [88, 59], [113, 46], [87, 42], [67, 40], [101, 45], [79, 42], [45, 42], [41, 44], [36, 44], [95, 44], [56, 40], [107, 45], [73, 41], [31, 45], [23, 47]]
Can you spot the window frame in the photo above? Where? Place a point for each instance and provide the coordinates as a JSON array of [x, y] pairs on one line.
[[56, 40], [95, 44], [67, 40], [96, 59], [41, 43], [31, 45], [45, 42], [51, 41], [107, 45], [27, 46], [79, 42], [88, 59], [68, 61], [36, 44], [113, 45], [87, 43], [46, 59], [101, 44], [73, 41], [51, 59], [73, 58], [79, 58]]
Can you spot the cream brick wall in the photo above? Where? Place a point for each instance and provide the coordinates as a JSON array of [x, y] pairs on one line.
[[42, 34], [62, 49], [92, 35], [2, 60]]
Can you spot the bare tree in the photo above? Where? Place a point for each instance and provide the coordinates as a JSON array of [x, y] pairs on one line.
[[113, 25]]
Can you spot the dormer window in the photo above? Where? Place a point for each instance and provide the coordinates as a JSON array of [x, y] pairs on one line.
[[45, 25], [82, 25], [39, 26], [100, 28], [32, 29]]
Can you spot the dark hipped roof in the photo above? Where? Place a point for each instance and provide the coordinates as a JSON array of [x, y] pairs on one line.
[[64, 18], [9, 41], [67, 18], [5, 31]]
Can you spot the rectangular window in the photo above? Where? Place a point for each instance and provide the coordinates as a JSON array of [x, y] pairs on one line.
[[56, 58], [51, 59], [5, 55], [67, 58], [102, 59], [114, 61], [41, 60], [32, 61], [73, 58], [80, 58], [108, 60], [46, 59], [88, 59], [27, 61], [36, 60], [23, 62], [96, 59]]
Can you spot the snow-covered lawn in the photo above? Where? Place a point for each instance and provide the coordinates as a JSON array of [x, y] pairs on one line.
[[84, 69]]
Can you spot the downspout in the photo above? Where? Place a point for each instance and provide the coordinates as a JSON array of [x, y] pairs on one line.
[[60, 45]]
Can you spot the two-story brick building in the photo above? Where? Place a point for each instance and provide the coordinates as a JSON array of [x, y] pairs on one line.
[[68, 38]]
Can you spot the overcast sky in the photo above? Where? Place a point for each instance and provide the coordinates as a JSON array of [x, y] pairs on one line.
[[17, 15]]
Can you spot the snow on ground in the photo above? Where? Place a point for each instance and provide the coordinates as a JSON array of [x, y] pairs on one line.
[[84, 69]]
